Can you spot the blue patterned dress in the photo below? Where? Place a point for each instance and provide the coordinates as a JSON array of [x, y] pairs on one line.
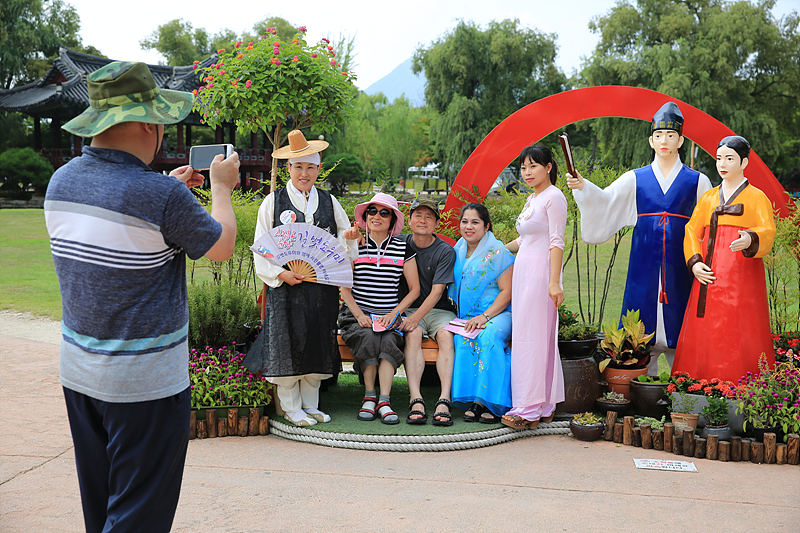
[[482, 366]]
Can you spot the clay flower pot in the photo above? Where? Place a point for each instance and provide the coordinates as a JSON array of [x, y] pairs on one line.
[[618, 379], [577, 349], [587, 433], [684, 421], [604, 406], [723, 432], [649, 399]]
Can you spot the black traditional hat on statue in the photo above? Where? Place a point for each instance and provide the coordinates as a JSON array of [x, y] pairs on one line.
[[669, 117]]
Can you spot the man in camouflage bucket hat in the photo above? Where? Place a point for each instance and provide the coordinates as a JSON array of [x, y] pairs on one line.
[[120, 234], [127, 92]]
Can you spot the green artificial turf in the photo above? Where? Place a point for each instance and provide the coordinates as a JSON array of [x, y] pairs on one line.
[[343, 401]]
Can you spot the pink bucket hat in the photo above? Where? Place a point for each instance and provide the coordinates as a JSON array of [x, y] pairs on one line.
[[385, 200]]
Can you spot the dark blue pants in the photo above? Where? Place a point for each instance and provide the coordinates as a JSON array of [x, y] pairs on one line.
[[130, 459]]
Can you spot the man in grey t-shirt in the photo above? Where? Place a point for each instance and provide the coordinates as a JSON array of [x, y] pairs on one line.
[[430, 312], [120, 234]]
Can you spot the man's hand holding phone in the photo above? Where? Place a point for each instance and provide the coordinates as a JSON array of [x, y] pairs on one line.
[[224, 172], [188, 175]]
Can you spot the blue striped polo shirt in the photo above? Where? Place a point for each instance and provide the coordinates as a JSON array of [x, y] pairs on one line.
[[119, 235]]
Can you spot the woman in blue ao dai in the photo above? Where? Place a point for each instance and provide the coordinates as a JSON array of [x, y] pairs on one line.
[[482, 292]]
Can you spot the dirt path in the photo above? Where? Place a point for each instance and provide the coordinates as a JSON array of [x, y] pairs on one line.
[[27, 326]]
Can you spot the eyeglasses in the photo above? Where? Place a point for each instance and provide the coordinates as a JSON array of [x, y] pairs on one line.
[[372, 211]]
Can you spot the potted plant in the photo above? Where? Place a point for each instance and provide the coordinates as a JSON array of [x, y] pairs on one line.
[[681, 412], [587, 426], [716, 417], [704, 389], [787, 347], [627, 352], [613, 401], [576, 339], [655, 423], [770, 399], [649, 393], [218, 381]]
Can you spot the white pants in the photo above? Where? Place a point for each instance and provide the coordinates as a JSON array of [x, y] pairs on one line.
[[298, 392]]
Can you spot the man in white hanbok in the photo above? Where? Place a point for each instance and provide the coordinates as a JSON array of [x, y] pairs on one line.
[[657, 201]]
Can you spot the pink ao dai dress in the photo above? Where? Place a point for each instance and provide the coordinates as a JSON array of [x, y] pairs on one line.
[[537, 381]]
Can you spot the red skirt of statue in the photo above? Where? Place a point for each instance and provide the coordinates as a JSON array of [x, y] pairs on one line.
[[727, 342]]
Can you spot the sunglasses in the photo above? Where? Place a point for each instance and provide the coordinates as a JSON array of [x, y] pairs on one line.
[[372, 211]]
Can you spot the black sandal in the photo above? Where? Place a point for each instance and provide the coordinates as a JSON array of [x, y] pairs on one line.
[[446, 418], [423, 416], [489, 420], [477, 410]]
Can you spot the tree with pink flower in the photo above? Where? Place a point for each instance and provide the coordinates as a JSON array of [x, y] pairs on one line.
[[277, 81]]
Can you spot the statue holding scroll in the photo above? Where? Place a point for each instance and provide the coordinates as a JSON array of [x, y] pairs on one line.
[[726, 327], [657, 200]]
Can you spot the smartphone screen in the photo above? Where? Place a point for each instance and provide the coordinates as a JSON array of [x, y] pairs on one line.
[[200, 157]]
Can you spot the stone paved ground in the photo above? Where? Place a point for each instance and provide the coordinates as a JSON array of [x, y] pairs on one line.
[[258, 484]]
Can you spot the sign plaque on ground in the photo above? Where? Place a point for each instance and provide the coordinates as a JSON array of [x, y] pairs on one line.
[[660, 464]]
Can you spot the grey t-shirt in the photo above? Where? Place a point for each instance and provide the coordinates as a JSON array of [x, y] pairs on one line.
[[435, 266]]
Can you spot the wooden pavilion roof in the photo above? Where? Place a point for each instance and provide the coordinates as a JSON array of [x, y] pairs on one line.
[[62, 92]]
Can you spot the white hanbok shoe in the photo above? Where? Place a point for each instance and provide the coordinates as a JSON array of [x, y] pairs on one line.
[[319, 416], [300, 419]]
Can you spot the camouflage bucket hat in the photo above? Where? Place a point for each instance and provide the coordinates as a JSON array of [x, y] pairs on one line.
[[424, 202], [127, 92]]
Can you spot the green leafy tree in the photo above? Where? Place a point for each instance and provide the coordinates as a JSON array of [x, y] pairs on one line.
[[181, 43], [282, 28], [733, 60], [345, 48], [388, 138], [345, 168], [31, 32], [263, 85], [16, 129], [476, 78], [21, 168]]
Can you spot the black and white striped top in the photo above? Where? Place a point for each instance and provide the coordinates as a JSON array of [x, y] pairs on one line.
[[376, 283]]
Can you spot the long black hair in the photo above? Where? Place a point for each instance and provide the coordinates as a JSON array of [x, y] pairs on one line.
[[483, 214], [738, 144], [541, 154]]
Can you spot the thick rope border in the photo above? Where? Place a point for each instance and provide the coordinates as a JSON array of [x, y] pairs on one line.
[[413, 443]]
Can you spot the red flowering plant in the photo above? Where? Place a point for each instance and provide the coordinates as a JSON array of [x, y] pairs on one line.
[[262, 85], [787, 347], [218, 379], [714, 387], [770, 398]]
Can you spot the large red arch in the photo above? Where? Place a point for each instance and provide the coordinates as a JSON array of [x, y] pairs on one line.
[[536, 120]]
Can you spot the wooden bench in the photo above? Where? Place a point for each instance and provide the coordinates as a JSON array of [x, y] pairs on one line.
[[430, 350]]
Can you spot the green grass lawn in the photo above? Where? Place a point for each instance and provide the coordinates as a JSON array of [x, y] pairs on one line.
[[28, 280]]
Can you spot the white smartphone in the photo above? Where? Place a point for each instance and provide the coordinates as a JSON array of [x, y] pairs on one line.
[[200, 157]]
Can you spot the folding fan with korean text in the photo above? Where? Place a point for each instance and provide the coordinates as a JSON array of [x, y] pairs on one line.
[[307, 250]]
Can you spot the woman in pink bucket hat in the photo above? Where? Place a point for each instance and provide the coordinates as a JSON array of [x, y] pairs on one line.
[[371, 313]]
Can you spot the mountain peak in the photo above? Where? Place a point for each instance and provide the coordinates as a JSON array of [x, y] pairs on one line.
[[401, 81]]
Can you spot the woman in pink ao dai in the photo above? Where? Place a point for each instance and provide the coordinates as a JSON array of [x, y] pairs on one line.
[[537, 381]]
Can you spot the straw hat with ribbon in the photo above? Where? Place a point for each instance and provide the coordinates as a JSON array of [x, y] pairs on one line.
[[298, 146], [384, 200]]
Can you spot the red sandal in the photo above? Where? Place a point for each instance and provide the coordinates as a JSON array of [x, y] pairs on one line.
[[387, 413], [367, 414]]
